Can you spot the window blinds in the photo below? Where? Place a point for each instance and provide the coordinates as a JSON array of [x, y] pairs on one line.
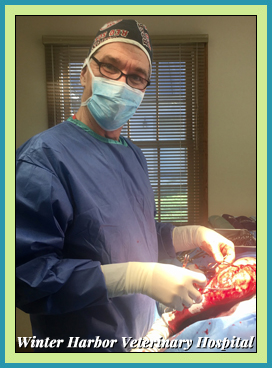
[[170, 126]]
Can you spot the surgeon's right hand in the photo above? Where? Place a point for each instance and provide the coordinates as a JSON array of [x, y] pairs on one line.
[[172, 286]]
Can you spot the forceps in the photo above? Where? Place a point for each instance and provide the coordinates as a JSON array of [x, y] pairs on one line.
[[186, 260]]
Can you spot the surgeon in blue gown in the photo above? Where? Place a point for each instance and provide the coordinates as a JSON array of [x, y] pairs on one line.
[[87, 244]]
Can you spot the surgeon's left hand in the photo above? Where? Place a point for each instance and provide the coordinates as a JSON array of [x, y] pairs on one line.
[[216, 245]]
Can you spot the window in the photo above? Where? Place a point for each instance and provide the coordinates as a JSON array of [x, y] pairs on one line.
[[170, 126]]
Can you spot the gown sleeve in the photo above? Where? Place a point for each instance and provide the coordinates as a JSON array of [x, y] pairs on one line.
[[46, 281]]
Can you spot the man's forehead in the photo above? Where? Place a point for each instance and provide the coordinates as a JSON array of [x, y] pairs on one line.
[[118, 52], [119, 49]]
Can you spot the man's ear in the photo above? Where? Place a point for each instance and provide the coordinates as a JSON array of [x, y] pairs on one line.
[[83, 76]]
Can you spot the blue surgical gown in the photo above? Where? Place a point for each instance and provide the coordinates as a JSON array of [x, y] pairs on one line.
[[82, 202]]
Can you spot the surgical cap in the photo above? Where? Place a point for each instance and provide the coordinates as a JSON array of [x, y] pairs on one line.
[[123, 30]]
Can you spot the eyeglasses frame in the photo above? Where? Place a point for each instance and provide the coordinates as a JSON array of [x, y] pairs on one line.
[[99, 63]]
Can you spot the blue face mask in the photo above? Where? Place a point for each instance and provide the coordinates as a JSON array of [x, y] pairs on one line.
[[112, 103]]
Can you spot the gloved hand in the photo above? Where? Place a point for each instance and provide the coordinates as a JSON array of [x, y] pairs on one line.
[[171, 285], [216, 245]]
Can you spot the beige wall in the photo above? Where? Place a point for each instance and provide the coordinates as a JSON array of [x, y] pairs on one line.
[[232, 93]]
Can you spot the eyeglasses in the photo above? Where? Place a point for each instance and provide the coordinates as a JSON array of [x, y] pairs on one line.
[[111, 72]]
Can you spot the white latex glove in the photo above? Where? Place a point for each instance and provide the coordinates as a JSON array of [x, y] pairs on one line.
[[216, 245], [171, 285]]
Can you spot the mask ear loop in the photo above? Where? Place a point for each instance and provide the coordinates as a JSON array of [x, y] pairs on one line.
[[87, 64]]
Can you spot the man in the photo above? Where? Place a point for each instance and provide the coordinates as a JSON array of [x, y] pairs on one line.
[[87, 243]]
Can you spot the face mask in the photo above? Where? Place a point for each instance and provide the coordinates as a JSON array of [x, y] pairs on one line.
[[112, 103]]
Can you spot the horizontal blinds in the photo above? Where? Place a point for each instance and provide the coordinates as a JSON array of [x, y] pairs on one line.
[[63, 66], [170, 126]]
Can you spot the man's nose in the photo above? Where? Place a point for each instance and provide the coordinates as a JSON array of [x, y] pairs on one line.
[[123, 79]]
